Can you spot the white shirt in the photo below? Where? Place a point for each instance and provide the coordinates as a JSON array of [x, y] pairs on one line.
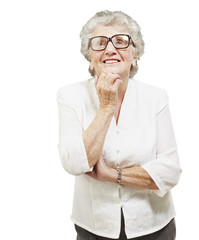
[[144, 136]]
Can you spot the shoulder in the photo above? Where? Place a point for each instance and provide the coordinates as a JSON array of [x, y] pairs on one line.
[[151, 95], [75, 88], [148, 90], [74, 92]]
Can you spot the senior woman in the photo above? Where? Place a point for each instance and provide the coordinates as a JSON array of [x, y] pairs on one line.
[[116, 137]]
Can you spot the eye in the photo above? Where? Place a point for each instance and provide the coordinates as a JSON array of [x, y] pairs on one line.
[[101, 42], [119, 41]]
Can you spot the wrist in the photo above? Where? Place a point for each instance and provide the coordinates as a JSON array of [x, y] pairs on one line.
[[107, 110], [113, 175]]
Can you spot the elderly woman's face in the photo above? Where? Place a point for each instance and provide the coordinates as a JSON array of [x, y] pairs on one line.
[[111, 59]]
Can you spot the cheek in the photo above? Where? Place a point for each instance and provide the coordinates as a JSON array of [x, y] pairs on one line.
[[130, 58], [96, 60], [130, 55]]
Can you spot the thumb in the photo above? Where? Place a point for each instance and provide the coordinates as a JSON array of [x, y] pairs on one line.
[[117, 83]]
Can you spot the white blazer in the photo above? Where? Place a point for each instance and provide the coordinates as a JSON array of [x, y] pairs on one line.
[[144, 136]]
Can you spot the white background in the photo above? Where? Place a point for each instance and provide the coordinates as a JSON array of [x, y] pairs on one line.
[[39, 53]]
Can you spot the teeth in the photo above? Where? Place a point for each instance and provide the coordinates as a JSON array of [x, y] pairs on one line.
[[111, 61]]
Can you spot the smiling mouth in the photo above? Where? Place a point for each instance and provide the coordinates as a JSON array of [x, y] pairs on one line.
[[109, 61]]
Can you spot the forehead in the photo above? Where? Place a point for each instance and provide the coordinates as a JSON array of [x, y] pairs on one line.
[[109, 31]]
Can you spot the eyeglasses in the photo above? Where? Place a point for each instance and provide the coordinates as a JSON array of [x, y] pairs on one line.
[[119, 41]]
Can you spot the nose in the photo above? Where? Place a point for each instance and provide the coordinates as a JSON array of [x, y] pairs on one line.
[[110, 49]]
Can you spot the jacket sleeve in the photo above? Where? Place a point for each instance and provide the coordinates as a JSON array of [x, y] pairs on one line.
[[71, 146], [165, 168]]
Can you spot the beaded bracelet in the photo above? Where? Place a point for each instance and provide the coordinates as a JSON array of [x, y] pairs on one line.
[[119, 177]]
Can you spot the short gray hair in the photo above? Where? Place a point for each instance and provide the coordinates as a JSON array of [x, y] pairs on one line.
[[107, 18]]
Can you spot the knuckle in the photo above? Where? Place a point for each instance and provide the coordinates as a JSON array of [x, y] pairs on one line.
[[113, 90]]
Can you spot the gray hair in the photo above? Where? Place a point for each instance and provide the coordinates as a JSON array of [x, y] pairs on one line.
[[107, 18]]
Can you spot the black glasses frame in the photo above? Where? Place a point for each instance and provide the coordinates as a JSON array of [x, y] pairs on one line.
[[109, 39]]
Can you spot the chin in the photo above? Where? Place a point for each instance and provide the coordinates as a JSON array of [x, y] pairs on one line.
[[111, 69]]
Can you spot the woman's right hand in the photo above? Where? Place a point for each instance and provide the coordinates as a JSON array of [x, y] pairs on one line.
[[107, 85]]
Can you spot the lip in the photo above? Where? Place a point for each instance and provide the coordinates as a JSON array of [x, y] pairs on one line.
[[111, 61]]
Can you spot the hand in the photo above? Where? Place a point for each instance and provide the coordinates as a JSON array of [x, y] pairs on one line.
[[107, 85], [101, 171]]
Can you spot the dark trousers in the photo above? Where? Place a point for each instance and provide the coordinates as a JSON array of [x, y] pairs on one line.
[[166, 233]]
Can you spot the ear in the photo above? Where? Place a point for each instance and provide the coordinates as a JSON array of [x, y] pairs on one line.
[[134, 62], [91, 66]]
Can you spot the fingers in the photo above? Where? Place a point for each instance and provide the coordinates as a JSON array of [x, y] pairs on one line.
[[91, 174], [107, 85], [107, 79], [116, 84], [107, 82]]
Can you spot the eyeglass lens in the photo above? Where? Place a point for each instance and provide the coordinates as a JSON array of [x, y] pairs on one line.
[[101, 42]]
